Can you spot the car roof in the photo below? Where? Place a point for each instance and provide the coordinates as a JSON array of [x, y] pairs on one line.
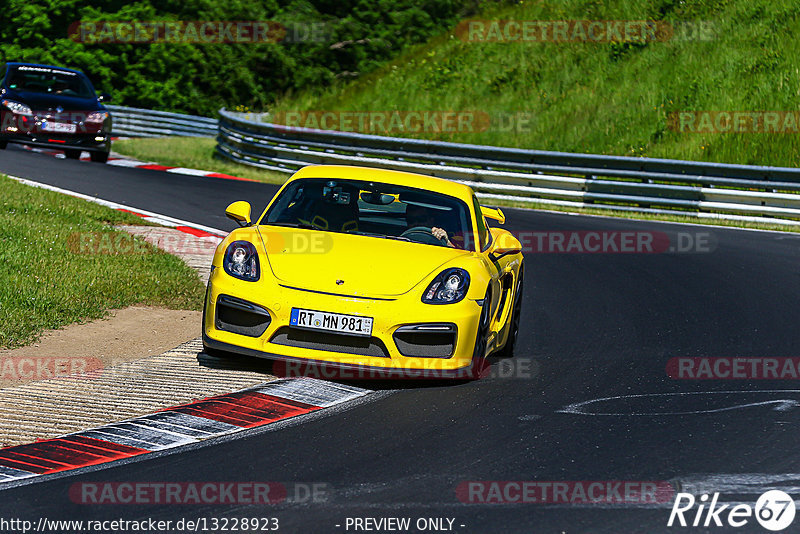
[[17, 64], [419, 181]]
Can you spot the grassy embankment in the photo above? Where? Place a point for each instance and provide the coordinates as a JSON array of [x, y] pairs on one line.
[[52, 275], [591, 97], [602, 98]]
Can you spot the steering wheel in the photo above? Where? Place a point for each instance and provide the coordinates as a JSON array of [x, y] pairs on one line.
[[423, 234]]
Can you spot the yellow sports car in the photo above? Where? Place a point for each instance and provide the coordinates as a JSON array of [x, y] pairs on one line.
[[371, 272]]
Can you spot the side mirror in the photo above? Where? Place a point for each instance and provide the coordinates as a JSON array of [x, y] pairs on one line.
[[104, 97], [496, 214], [240, 212], [504, 243]]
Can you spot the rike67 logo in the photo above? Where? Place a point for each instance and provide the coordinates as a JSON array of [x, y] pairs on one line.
[[774, 510]]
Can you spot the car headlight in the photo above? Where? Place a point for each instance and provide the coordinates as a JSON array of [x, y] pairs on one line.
[[97, 116], [241, 261], [448, 287], [16, 107]]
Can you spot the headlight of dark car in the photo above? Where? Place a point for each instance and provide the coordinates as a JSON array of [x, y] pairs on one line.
[[97, 117], [449, 287], [241, 261], [18, 108]]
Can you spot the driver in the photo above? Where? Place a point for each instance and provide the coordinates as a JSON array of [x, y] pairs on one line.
[[60, 86], [422, 216]]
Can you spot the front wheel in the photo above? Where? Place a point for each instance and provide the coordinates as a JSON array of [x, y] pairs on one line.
[[479, 364], [3, 145], [508, 349]]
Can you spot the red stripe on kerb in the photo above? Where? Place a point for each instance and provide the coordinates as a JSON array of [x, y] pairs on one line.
[[50, 451], [155, 167], [246, 409], [195, 231], [24, 466], [33, 462], [229, 177], [62, 454], [132, 212], [112, 449]]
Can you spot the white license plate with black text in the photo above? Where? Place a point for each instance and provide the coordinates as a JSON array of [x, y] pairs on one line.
[[331, 322], [60, 127]]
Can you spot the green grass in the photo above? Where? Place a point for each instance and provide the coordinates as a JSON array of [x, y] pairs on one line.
[[603, 98], [193, 153], [45, 284]]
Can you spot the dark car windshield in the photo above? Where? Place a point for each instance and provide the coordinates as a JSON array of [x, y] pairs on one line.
[[372, 209], [46, 80]]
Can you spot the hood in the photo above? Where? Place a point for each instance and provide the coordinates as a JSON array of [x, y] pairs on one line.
[[45, 102], [366, 266]]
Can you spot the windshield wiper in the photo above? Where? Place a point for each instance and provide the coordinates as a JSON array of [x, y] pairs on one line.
[[304, 226], [384, 236]]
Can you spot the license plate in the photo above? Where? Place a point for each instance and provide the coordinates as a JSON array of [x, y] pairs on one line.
[[61, 127], [353, 325]]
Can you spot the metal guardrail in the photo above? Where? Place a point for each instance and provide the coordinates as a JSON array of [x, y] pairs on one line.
[[137, 122], [707, 190]]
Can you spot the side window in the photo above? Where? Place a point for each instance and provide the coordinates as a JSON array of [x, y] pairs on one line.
[[484, 236]]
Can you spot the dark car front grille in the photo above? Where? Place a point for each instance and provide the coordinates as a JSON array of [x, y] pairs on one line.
[[433, 340], [330, 342]]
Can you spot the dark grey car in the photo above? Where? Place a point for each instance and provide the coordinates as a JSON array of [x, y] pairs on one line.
[[54, 107]]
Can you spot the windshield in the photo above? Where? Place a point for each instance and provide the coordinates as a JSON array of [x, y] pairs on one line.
[[373, 209], [45, 80]]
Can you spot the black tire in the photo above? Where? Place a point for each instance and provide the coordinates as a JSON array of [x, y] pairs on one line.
[[3, 145], [99, 157], [72, 154], [508, 349], [479, 363]]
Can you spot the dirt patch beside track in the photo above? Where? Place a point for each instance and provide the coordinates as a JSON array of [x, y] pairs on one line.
[[138, 360], [129, 334]]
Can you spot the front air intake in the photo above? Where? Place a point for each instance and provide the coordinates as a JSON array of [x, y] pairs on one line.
[[241, 317], [426, 340]]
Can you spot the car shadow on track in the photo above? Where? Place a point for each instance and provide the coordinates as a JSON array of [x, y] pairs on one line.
[[490, 369]]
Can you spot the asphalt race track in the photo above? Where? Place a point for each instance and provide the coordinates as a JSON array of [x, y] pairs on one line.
[[594, 326]]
